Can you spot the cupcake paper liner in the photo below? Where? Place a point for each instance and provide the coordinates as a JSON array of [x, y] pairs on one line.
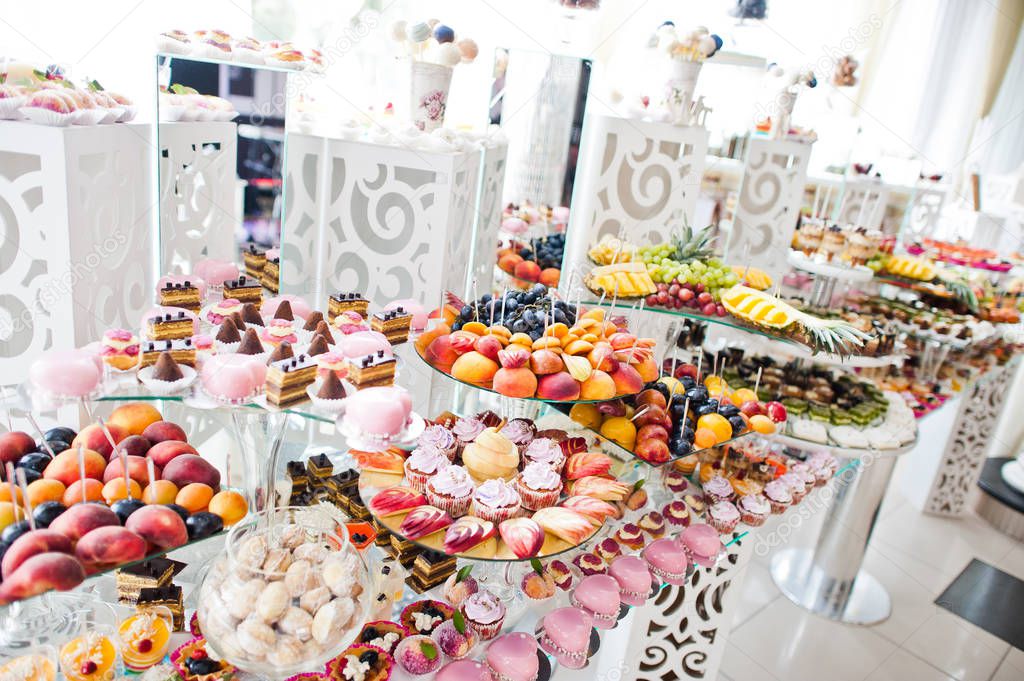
[[752, 519], [332, 406], [41, 116], [534, 500], [495, 515], [453, 506], [158, 387], [406, 617], [722, 526]]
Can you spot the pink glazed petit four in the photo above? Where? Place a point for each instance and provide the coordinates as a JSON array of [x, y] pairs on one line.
[[463, 670], [363, 343], [702, 543], [598, 595], [233, 377], [633, 578], [667, 561], [215, 272], [565, 633], [379, 411], [513, 657], [66, 373]]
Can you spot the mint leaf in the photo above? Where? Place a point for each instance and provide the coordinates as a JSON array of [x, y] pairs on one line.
[[429, 650], [459, 621], [463, 573], [95, 86], [537, 567], [638, 484]]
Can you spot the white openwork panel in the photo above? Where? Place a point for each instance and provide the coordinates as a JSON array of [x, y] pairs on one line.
[[198, 214], [305, 182], [769, 202], [75, 213], [863, 204], [488, 216], [639, 177]]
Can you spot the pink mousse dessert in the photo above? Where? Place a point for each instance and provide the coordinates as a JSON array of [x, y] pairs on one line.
[[598, 596], [463, 670], [161, 310], [181, 279], [413, 307], [215, 272], [232, 378], [300, 308], [667, 561], [513, 657], [277, 331], [633, 578], [380, 412], [66, 373], [349, 322], [702, 543], [565, 633], [364, 343]]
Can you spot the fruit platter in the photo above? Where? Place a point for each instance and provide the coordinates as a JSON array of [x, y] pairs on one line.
[[114, 493], [492, 489], [681, 415], [527, 345], [960, 254], [538, 260], [923, 275]]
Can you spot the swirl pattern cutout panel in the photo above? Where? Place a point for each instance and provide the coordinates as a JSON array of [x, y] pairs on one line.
[[636, 176], [769, 202], [198, 192], [864, 204]]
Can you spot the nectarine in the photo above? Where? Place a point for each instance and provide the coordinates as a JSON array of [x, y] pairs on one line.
[[159, 525], [31, 544], [191, 468], [137, 470], [599, 386], [79, 519], [134, 417], [160, 431], [559, 386], [64, 466], [14, 445], [475, 368], [164, 452], [110, 545], [41, 573], [92, 437], [519, 382]]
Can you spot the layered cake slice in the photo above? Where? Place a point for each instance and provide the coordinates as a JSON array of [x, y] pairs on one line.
[[344, 302], [182, 351], [429, 569], [372, 370], [254, 260], [271, 274], [167, 596], [394, 324], [170, 325], [182, 294], [288, 378], [149, 574], [244, 289]]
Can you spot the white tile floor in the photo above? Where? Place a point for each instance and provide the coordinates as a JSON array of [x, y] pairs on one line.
[[915, 556]]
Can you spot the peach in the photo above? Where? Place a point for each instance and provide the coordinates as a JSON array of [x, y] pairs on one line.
[[514, 356], [527, 270], [64, 466], [550, 277], [80, 519], [194, 497], [45, 490], [31, 544], [546, 362], [652, 450], [134, 417], [73, 494], [599, 386], [424, 340], [92, 437], [189, 468], [161, 431], [603, 357], [462, 341], [509, 261], [164, 452], [558, 386], [473, 367], [159, 525], [440, 353], [488, 346], [651, 396], [627, 380], [651, 414], [648, 370], [114, 490], [14, 445], [134, 445], [138, 470], [111, 545], [160, 492], [519, 382], [40, 573], [655, 431], [229, 505]]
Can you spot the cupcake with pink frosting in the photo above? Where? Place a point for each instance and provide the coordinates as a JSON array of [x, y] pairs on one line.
[[546, 451], [440, 438], [539, 486], [451, 489], [423, 463], [466, 430], [485, 613], [496, 500]]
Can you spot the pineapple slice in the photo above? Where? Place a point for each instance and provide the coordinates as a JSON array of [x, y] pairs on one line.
[[625, 280]]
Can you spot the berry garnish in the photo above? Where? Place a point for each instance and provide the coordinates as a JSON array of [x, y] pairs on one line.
[[145, 645]]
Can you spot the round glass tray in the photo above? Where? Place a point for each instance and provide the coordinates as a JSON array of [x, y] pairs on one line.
[[371, 483], [797, 351], [846, 452], [488, 388]]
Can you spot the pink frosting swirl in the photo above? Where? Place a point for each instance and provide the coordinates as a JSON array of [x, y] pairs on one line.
[[545, 450], [468, 428], [724, 510], [427, 459], [452, 481], [777, 490], [718, 486], [123, 335], [540, 476], [496, 493], [755, 503], [483, 607], [437, 436]]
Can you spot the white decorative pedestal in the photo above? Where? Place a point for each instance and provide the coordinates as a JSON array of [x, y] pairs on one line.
[[639, 177], [198, 214], [77, 239], [769, 202]]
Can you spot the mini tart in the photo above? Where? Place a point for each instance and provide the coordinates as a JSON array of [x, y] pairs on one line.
[[653, 523], [631, 536], [380, 669], [186, 651], [420, 611], [373, 634]]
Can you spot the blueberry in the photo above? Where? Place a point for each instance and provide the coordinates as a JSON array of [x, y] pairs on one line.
[[36, 461], [13, 531], [687, 434], [202, 666], [369, 657], [729, 410], [738, 426], [125, 507], [682, 449], [203, 524], [697, 395], [46, 512]]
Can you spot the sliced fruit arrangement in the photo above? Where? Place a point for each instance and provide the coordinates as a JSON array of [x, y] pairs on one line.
[[610, 250], [753, 277], [88, 515], [766, 311], [621, 280], [911, 267], [589, 358], [923, 270], [676, 416]]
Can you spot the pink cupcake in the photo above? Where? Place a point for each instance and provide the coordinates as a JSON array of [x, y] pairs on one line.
[[778, 495], [797, 488], [451, 489], [423, 463], [547, 451], [754, 509], [539, 486], [723, 516], [521, 432], [465, 431], [496, 500], [441, 438], [717, 489], [485, 613]]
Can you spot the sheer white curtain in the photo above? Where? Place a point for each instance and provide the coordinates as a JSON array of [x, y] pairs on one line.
[[999, 140]]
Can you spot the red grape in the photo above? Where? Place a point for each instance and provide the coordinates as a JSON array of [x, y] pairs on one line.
[[708, 309], [685, 295], [651, 300], [662, 297], [704, 298], [673, 289], [720, 310], [699, 287]]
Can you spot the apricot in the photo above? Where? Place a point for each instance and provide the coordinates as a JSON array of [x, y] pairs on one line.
[[718, 424], [648, 370], [620, 430], [704, 438], [742, 395], [559, 386], [134, 417], [114, 490], [229, 505], [73, 494], [550, 277], [92, 437], [587, 415], [519, 382], [627, 380], [599, 386], [509, 261], [45, 490], [527, 270], [164, 452], [5, 494], [194, 497], [41, 573], [603, 357], [7, 514], [762, 424], [475, 368], [160, 492], [64, 466], [546, 361]]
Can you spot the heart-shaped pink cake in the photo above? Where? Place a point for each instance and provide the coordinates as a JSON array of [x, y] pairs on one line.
[[633, 578], [65, 373], [513, 657], [232, 377], [702, 542], [380, 411], [463, 670], [667, 561], [565, 633], [599, 596]]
